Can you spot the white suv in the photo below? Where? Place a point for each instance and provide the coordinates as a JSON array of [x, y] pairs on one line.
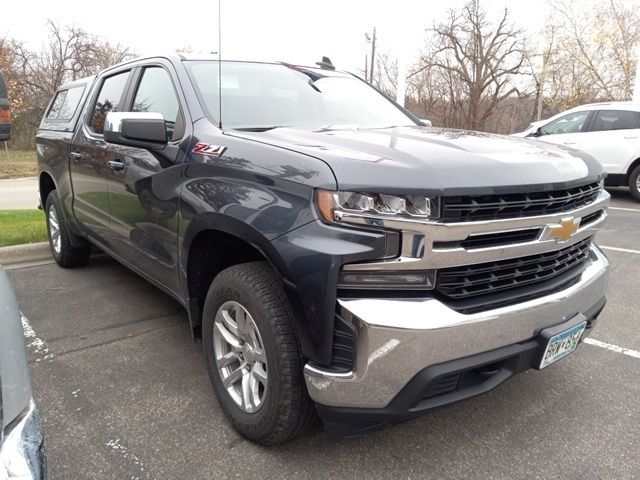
[[610, 132]]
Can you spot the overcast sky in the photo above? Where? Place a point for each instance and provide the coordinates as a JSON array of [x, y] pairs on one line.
[[297, 31]]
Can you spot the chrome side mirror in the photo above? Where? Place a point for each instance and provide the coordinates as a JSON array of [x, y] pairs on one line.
[[136, 129], [426, 123]]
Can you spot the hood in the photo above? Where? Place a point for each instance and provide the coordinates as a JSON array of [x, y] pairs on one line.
[[436, 161]]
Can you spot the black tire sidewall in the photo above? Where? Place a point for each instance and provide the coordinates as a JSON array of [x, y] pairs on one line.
[[260, 423], [633, 183]]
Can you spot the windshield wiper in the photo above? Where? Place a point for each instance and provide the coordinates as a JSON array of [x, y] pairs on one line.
[[260, 129]]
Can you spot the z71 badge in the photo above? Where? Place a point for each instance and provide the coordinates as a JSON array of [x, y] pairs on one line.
[[209, 150]]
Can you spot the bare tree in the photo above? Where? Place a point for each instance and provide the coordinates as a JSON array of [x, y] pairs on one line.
[[69, 54], [594, 57], [473, 63]]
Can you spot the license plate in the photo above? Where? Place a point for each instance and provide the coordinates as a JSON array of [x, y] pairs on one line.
[[562, 344]]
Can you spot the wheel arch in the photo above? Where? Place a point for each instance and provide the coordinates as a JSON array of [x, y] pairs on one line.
[[46, 184], [235, 243], [632, 166]]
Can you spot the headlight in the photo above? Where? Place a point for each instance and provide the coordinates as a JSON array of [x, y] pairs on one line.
[[377, 210], [339, 206]]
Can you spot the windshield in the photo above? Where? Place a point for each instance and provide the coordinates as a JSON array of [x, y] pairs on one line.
[[261, 96]]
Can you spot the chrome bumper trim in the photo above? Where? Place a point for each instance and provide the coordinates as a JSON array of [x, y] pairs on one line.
[[397, 338], [22, 454], [418, 238]]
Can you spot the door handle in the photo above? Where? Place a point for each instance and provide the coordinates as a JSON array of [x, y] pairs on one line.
[[630, 138], [76, 156], [569, 143], [116, 165]]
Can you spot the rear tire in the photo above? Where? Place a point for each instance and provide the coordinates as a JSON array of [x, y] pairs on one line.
[[253, 358], [634, 182], [65, 254]]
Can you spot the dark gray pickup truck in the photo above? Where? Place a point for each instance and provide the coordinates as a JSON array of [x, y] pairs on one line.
[[336, 256]]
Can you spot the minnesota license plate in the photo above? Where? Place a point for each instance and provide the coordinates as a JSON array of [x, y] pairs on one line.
[[562, 344]]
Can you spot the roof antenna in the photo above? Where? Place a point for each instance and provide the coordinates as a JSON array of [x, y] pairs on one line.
[[326, 64], [220, 64]]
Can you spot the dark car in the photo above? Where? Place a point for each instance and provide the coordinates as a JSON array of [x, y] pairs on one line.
[[334, 253], [22, 453], [5, 110]]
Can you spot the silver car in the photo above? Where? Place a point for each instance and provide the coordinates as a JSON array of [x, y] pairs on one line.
[[22, 454]]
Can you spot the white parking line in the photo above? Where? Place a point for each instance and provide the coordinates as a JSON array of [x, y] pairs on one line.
[[624, 209], [613, 348], [616, 249], [38, 348]]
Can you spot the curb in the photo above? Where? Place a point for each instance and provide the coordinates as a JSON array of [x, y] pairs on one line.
[[29, 252]]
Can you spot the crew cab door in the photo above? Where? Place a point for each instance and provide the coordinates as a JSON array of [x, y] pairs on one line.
[[143, 185], [89, 154]]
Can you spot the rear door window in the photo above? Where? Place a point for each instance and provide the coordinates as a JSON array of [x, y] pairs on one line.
[[108, 100], [616, 120], [65, 104]]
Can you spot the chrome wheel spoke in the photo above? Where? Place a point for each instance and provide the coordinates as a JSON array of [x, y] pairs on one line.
[[241, 320], [252, 335], [228, 337], [233, 377], [254, 388], [259, 373], [259, 355], [247, 397], [229, 323], [226, 359]]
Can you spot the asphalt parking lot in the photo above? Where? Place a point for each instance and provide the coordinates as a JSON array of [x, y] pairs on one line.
[[124, 393]]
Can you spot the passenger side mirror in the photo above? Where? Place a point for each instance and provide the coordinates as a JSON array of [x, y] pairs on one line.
[[426, 123], [538, 132], [136, 129]]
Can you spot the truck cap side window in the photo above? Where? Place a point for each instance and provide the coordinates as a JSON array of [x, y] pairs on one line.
[[65, 104], [156, 94], [108, 100]]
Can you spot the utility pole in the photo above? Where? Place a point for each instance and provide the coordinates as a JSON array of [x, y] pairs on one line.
[[401, 81], [373, 56], [636, 85], [366, 67], [543, 77]]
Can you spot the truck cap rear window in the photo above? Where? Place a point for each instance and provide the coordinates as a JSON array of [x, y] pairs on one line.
[[65, 104]]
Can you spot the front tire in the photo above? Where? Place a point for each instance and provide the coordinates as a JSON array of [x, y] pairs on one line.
[[64, 253], [252, 355], [634, 182]]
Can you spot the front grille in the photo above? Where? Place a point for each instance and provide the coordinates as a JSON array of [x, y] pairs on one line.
[[474, 288], [515, 205], [592, 217], [486, 240]]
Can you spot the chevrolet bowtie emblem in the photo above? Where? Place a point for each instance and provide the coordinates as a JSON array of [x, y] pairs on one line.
[[565, 230]]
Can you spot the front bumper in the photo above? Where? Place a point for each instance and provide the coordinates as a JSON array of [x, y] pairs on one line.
[[22, 454], [400, 338]]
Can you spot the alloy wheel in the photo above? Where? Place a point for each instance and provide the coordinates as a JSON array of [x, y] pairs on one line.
[[240, 357], [54, 229]]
